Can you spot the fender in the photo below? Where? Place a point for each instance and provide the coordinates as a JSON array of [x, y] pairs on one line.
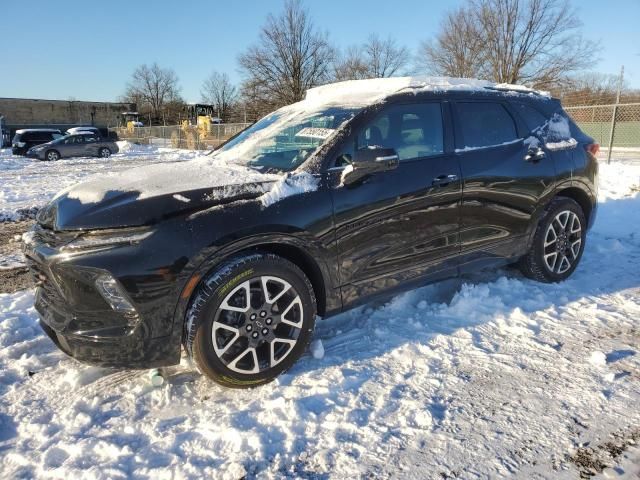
[[563, 185], [213, 256]]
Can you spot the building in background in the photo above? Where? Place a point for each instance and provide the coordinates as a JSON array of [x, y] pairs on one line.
[[33, 113]]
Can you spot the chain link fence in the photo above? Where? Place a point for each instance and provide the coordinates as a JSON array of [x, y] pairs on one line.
[[181, 136], [618, 125]]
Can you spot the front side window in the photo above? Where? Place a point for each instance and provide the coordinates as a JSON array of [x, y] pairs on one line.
[[74, 140], [413, 131], [485, 124]]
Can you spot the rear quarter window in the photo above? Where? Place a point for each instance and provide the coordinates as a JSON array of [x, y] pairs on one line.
[[485, 124], [532, 118]]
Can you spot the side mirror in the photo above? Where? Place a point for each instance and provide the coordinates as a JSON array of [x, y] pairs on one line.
[[368, 161]]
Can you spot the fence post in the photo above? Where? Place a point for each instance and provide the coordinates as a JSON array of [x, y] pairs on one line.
[[613, 117]]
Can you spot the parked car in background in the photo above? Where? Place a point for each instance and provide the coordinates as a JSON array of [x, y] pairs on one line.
[[27, 138], [365, 189], [4, 133], [101, 131], [82, 144]]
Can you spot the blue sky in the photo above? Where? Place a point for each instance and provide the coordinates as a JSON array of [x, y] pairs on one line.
[[87, 50]]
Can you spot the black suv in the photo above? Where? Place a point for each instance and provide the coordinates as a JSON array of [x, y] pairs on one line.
[[26, 138], [363, 189]]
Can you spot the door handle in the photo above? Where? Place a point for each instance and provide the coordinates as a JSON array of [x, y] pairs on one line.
[[443, 180], [534, 155]]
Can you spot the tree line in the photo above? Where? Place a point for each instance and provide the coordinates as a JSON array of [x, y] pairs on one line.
[[534, 42]]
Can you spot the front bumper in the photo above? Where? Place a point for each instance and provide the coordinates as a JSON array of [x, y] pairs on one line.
[[39, 155], [79, 320]]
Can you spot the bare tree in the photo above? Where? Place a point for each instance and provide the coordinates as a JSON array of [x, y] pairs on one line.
[[537, 42], [534, 41], [153, 87], [457, 50], [591, 88], [218, 91], [384, 57], [376, 58], [291, 57], [351, 65]]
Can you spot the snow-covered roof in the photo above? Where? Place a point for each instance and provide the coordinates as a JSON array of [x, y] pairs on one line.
[[22, 130], [359, 93]]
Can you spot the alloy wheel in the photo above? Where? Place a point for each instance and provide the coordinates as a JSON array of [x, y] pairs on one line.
[[562, 242], [257, 325]]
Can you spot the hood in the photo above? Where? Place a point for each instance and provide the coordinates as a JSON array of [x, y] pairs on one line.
[[146, 195]]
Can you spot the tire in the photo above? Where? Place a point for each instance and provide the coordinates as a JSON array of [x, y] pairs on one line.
[[104, 152], [248, 348], [52, 156], [554, 259]]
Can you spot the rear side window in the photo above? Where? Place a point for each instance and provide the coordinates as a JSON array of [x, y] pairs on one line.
[[532, 117], [485, 124], [413, 131]]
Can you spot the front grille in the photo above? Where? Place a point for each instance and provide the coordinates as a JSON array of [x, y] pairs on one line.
[[44, 236], [42, 280]]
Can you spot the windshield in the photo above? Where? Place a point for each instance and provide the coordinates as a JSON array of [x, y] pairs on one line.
[[284, 139]]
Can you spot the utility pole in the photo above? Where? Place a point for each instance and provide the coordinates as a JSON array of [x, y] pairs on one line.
[[615, 113]]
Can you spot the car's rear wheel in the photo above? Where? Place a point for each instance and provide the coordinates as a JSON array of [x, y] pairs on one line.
[[250, 320], [52, 156], [558, 243], [104, 152]]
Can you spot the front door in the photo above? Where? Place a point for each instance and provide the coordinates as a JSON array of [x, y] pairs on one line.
[[399, 226], [72, 146]]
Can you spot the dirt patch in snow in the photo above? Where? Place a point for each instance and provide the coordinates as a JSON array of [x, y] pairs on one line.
[[14, 275], [593, 460]]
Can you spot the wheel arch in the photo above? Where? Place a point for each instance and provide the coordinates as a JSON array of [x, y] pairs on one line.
[[580, 197], [52, 150], [286, 246]]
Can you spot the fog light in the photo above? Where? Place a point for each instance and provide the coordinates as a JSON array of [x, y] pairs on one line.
[[113, 293]]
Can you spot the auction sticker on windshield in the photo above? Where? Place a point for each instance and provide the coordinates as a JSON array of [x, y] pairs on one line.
[[315, 132]]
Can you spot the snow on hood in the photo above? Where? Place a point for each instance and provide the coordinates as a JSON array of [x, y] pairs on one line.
[[292, 184], [156, 180]]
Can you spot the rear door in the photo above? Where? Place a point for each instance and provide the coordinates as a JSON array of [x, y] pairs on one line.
[[400, 226], [502, 185]]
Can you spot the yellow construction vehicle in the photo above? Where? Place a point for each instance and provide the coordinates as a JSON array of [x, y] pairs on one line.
[[196, 129], [131, 120]]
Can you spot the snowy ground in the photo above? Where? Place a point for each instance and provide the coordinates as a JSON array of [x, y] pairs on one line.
[[490, 376]]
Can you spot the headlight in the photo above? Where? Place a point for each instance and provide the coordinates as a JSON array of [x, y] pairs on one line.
[[114, 294], [107, 238]]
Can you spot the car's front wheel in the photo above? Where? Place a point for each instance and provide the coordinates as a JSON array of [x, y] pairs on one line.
[[52, 156], [104, 152], [558, 243], [250, 320]]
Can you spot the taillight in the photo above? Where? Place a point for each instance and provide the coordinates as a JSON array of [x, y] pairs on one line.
[[593, 148]]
